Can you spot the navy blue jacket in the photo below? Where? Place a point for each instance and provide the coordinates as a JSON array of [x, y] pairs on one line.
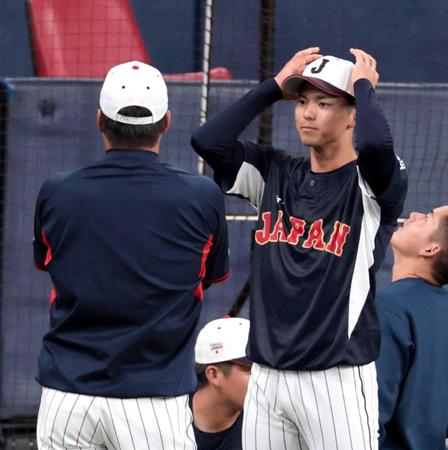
[[129, 243], [413, 366]]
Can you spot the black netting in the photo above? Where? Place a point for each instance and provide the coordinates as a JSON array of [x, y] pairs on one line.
[[48, 125]]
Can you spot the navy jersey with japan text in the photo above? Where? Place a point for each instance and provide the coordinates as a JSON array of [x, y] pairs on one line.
[[319, 237], [129, 243]]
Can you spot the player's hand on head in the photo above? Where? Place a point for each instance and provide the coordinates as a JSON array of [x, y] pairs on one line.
[[296, 65], [365, 67]]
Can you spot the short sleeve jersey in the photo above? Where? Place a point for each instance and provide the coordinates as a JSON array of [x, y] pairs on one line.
[[128, 242]]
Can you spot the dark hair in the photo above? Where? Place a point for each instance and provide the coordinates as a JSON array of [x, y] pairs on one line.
[[125, 135], [351, 101], [224, 367], [440, 265]]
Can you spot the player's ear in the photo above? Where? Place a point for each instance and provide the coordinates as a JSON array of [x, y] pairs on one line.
[[211, 373], [352, 119], [430, 250], [99, 122], [167, 121]]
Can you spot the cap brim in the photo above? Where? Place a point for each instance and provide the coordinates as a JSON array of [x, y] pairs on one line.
[[294, 83], [245, 361]]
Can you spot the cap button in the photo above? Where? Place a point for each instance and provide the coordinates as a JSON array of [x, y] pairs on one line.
[[135, 67]]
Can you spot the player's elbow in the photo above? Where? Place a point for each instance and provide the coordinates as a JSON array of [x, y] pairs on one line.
[[199, 141], [39, 266], [376, 139]]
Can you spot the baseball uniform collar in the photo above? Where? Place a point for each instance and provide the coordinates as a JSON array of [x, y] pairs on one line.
[[116, 152]]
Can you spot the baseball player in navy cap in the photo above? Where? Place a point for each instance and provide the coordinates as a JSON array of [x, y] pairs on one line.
[[323, 227], [130, 243]]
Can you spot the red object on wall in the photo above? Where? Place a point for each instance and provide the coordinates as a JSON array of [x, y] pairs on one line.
[[85, 38], [217, 73]]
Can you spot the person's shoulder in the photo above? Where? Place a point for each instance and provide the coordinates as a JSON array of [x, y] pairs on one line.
[[407, 294], [395, 295], [192, 178], [284, 160], [200, 184], [392, 306], [284, 155], [66, 178], [59, 177], [275, 153], [53, 182]]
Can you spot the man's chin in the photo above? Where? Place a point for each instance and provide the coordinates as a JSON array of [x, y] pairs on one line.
[[307, 141], [395, 235]]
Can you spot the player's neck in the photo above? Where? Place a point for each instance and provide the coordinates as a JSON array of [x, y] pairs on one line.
[[155, 148], [139, 148], [407, 267], [331, 157], [211, 412]]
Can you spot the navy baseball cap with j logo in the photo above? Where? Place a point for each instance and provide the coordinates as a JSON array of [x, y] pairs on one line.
[[329, 74]]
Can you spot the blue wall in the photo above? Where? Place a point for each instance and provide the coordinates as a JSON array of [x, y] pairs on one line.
[[408, 38], [168, 28], [15, 50]]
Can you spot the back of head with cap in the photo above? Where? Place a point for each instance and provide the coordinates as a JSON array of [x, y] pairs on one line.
[[133, 102], [329, 74], [222, 340], [134, 84]]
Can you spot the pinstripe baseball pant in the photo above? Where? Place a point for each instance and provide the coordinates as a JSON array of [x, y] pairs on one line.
[[333, 409], [69, 421]]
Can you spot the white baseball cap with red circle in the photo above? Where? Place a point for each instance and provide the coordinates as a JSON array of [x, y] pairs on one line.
[[134, 84]]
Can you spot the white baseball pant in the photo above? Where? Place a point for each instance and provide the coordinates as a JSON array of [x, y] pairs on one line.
[[333, 409], [70, 421]]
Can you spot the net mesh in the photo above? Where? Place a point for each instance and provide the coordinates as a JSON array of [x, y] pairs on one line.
[[48, 124]]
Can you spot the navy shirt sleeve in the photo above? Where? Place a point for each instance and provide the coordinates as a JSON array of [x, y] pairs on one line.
[[41, 246], [217, 264], [216, 141], [383, 171], [392, 365]]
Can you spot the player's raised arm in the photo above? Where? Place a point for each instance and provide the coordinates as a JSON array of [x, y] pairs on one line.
[[217, 140], [374, 143]]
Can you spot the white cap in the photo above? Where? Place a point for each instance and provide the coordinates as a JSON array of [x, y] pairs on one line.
[[134, 84], [329, 74], [222, 340]]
